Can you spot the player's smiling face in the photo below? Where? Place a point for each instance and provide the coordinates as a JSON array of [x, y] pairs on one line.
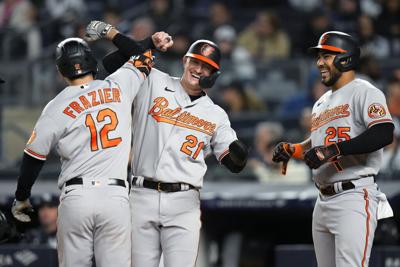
[[193, 69], [329, 73]]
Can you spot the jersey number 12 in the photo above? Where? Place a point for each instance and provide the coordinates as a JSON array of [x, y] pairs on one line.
[[105, 141]]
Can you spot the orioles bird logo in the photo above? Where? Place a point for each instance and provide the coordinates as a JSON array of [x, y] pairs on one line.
[[77, 67], [376, 111], [207, 50]]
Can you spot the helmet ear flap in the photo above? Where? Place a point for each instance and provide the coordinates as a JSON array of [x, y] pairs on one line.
[[347, 61]]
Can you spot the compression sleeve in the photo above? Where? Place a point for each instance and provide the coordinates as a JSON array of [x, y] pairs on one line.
[[374, 138], [130, 47], [29, 171], [127, 47]]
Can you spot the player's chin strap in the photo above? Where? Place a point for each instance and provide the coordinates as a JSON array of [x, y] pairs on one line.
[[207, 82]]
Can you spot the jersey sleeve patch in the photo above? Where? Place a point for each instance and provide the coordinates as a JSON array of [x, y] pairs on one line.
[[34, 154], [376, 111]]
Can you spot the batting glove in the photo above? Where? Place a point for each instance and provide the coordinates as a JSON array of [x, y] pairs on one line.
[[143, 62], [319, 155], [97, 30], [282, 152], [21, 210]]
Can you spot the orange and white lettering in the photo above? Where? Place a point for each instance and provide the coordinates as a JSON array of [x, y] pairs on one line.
[[69, 112], [75, 106], [107, 95], [116, 95], [92, 94]]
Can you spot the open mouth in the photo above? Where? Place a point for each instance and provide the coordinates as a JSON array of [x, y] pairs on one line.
[[195, 76], [324, 73]]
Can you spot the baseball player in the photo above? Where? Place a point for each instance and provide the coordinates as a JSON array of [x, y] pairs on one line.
[[350, 126], [176, 126], [89, 124]]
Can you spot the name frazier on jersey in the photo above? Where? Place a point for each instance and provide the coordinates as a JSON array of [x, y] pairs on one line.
[[328, 115], [92, 99], [161, 113]]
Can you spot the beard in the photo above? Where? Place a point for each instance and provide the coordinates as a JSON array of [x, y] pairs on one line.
[[334, 77]]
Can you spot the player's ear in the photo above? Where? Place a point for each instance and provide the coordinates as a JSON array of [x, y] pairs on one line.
[[184, 59]]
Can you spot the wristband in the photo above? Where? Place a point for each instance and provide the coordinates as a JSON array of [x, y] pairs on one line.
[[298, 151]]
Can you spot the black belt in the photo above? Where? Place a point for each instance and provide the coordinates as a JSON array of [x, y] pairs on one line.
[[329, 190], [111, 181], [163, 187]]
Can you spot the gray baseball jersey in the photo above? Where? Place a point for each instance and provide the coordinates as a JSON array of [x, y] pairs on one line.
[[344, 224], [178, 134], [342, 115], [90, 127], [170, 146]]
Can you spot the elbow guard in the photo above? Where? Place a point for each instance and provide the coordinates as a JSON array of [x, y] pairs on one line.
[[236, 159]]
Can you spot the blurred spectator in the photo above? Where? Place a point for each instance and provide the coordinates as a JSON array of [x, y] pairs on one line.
[[236, 61], [393, 97], [265, 133], [66, 10], [237, 99], [371, 43], [142, 28], [371, 8], [218, 15], [171, 61], [20, 33], [163, 13], [317, 23], [303, 131], [47, 216], [390, 168], [370, 70], [391, 155], [388, 24], [396, 75], [304, 5], [264, 38], [113, 17], [64, 15], [268, 135], [344, 18], [293, 106]]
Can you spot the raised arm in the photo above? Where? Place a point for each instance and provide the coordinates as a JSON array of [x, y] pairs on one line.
[[127, 47]]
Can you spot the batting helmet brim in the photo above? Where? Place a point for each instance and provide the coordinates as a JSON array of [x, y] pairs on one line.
[[203, 58], [330, 48]]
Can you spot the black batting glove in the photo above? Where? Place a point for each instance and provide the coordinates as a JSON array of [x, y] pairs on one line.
[[319, 155], [282, 152], [143, 62]]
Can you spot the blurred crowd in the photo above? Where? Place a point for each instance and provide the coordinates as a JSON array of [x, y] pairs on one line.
[[264, 46], [268, 83]]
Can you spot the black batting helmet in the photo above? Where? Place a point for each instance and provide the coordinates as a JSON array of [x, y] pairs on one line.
[[74, 58], [346, 47], [205, 51]]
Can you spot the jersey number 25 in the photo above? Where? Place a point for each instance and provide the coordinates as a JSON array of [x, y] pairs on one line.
[[105, 141], [340, 134]]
